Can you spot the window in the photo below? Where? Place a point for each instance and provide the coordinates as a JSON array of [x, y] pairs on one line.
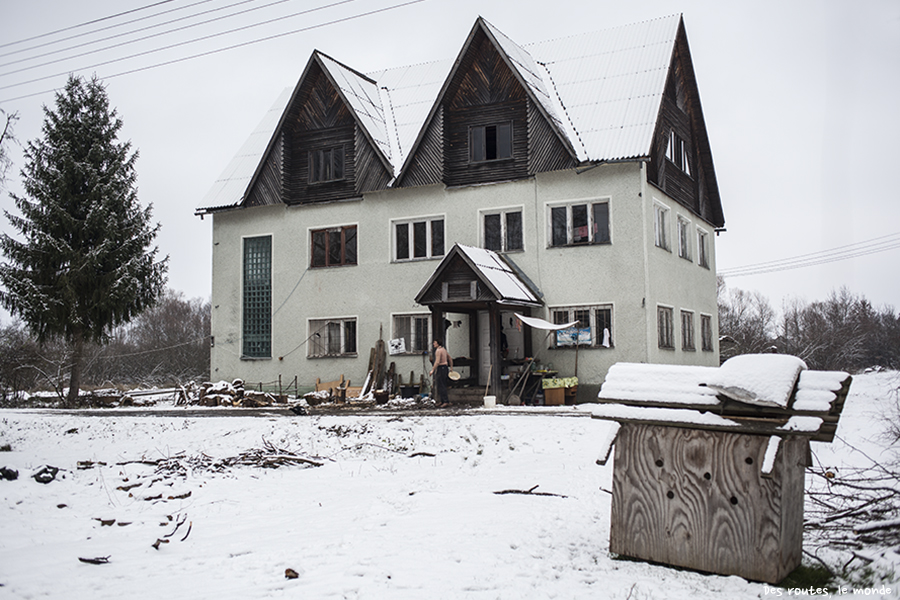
[[490, 142], [503, 231], [661, 226], [332, 337], [594, 327], [257, 298], [419, 238], [684, 238], [706, 338], [583, 223], [665, 327], [415, 331], [687, 330], [702, 248], [326, 164], [333, 247], [677, 153]]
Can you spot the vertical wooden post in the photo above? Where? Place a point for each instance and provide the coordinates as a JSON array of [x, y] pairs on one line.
[[496, 355]]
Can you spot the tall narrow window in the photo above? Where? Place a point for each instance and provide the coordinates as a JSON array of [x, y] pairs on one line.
[[503, 231], [702, 248], [706, 336], [257, 298], [418, 238], [684, 238], [677, 152], [326, 164], [665, 327], [490, 142], [579, 223], [687, 330], [332, 337], [661, 226], [333, 247]]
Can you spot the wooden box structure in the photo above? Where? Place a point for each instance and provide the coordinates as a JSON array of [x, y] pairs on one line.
[[707, 483]]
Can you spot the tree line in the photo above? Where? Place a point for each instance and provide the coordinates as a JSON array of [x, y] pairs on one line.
[[843, 332], [166, 345]]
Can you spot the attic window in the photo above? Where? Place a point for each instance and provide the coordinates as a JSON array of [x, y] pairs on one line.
[[490, 142], [677, 152], [326, 164]]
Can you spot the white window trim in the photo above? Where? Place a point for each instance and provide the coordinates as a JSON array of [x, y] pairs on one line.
[[417, 219], [673, 332], [705, 238], [502, 211], [325, 320], [240, 267], [693, 330], [662, 233], [712, 338], [549, 206], [683, 225], [411, 315], [599, 334]]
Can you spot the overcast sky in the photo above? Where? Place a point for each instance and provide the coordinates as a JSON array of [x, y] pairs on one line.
[[801, 101]]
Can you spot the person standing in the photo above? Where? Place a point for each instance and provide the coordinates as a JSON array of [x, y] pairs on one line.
[[441, 372]]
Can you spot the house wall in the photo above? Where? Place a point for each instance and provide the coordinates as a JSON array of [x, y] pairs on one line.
[[376, 288]]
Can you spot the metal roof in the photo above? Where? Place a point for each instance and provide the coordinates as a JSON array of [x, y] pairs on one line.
[[601, 90]]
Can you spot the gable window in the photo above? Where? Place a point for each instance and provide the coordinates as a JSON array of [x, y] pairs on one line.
[[665, 327], [579, 223], [419, 238], [702, 248], [257, 298], [676, 152], [490, 142], [593, 330], [333, 247], [332, 337], [684, 239], [503, 231], [661, 226], [687, 330], [415, 331], [706, 337], [326, 164]]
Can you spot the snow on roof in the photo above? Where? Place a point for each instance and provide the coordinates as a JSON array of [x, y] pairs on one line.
[[670, 384], [621, 412], [499, 274], [762, 379], [816, 390]]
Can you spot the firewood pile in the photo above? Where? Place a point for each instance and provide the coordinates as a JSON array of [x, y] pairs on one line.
[[234, 394]]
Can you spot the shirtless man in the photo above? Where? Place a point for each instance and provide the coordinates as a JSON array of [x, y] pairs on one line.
[[442, 365]]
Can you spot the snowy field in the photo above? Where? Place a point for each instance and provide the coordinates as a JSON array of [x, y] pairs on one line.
[[401, 507]]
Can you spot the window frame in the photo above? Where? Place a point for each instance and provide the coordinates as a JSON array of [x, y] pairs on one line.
[[677, 153], [687, 330], [703, 248], [345, 261], [477, 144], [256, 311], [413, 340], [665, 326], [593, 323], [324, 325], [683, 235], [503, 213], [661, 226], [315, 164], [410, 223], [591, 224], [706, 333]]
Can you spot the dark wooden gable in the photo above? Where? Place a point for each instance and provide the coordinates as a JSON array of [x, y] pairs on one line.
[[483, 90], [455, 282], [680, 112]]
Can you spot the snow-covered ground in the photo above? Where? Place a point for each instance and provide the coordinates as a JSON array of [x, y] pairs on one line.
[[402, 507]]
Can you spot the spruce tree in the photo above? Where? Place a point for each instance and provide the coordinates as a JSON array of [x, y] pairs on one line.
[[84, 261]]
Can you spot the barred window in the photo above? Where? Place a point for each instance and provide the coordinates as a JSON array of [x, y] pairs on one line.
[[415, 331], [332, 337], [665, 327], [257, 298], [593, 328], [333, 247]]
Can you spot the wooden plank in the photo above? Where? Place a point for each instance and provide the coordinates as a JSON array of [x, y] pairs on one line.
[[697, 499]]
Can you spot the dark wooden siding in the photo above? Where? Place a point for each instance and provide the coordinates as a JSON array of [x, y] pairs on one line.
[[546, 151], [427, 165], [456, 144], [370, 171], [267, 188], [460, 280], [676, 183], [298, 189]]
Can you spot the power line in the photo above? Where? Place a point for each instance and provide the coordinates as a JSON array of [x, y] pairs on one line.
[[91, 22], [873, 246], [179, 44], [226, 48]]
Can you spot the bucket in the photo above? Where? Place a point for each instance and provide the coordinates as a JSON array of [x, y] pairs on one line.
[[490, 401]]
